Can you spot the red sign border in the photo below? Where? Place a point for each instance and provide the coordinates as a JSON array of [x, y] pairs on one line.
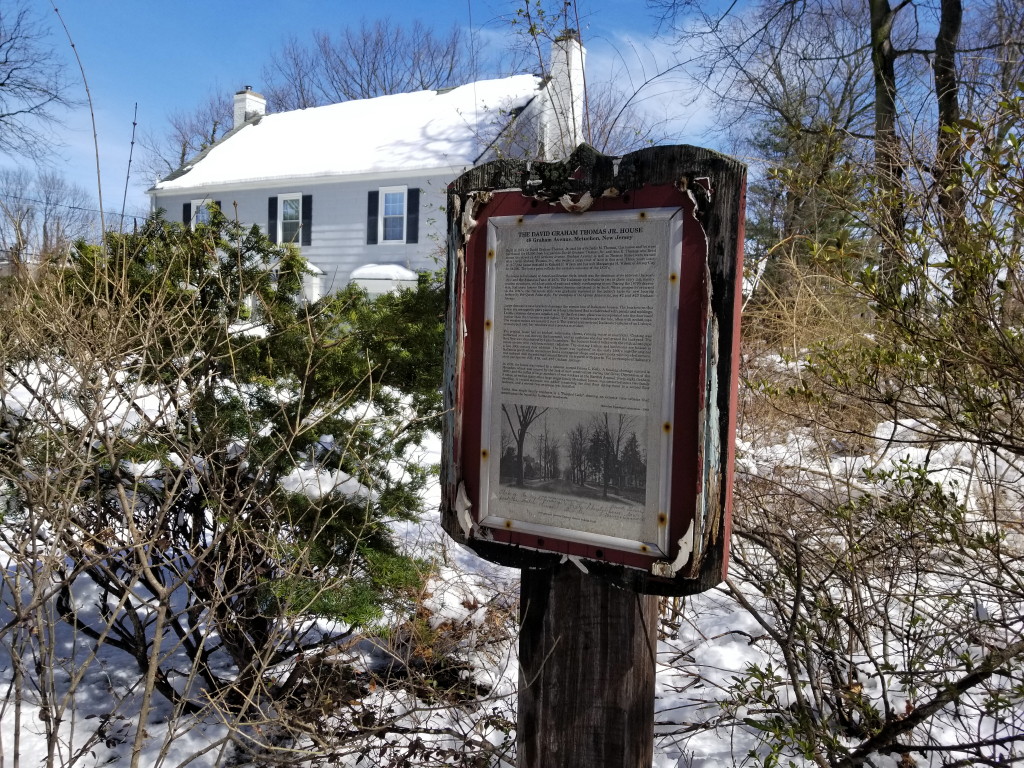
[[690, 388]]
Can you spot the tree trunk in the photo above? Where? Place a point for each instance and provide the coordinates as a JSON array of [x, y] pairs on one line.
[[520, 464], [948, 154], [888, 157]]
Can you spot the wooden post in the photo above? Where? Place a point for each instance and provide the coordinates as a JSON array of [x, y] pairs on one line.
[[586, 672], [588, 631]]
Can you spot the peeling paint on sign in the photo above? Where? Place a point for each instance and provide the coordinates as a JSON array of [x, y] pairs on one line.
[[685, 550], [462, 509], [575, 561]]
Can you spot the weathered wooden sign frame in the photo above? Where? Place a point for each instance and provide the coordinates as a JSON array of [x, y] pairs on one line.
[[683, 204]]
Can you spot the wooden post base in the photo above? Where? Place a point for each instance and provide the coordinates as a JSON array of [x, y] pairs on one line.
[[586, 672]]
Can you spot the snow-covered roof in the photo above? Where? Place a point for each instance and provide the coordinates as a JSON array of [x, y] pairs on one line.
[[403, 132]]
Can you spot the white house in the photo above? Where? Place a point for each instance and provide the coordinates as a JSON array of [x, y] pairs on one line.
[[359, 186]]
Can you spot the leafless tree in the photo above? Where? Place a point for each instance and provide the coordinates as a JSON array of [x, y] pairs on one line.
[[188, 133], [33, 88], [41, 214], [993, 62], [885, 83], [614, 121], [519, 419], [880, 558], [616, 125], [375, 59]]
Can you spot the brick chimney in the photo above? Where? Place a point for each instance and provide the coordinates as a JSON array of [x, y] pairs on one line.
[[564, 130], [248, 104]]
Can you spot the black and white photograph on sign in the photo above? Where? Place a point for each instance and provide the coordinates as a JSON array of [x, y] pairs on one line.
[[581, 454], [579, 374]]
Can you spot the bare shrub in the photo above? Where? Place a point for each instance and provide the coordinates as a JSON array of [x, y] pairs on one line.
[[197, 472]]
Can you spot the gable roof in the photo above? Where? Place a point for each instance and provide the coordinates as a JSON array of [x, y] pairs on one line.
[[404, 132]]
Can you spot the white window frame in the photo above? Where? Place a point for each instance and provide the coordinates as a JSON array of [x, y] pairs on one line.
[[381, 207], [297, 239], [200, 211]]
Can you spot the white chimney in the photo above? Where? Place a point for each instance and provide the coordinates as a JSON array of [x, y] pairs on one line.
[[248, 104], [563, 130]]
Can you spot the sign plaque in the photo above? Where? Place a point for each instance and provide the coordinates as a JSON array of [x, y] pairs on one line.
[[579, 375], [592, 344]]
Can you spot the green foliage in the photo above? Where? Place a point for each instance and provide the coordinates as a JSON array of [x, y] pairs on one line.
[[403, 334], [206, 441], [800, 204], [390, 578]]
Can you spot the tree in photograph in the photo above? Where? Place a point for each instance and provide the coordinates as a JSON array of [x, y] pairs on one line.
[[577, 445], [597, 450], [633, 463], [548, 452], [553, 459], [519, 419], [33, 88], [608, 436], [509, 467]]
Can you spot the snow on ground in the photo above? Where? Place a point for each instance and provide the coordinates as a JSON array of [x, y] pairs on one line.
[[98, 691], [699, 658], [43, 391]]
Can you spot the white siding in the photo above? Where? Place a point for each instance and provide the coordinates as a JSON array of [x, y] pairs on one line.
[[339, 221]]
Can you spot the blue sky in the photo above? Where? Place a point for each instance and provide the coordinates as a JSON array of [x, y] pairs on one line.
[[168, 56]]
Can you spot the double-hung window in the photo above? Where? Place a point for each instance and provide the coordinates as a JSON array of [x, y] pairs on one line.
[[392, 216], [197, 212], [290, 219]]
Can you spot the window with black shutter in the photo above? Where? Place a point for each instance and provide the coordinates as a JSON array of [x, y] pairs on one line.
[[372, 206], [290, 208], [197, 211], [392, 216], [412, 216], [290, 219], [307, 219]]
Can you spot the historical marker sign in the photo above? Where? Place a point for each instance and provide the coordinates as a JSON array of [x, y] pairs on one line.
[[593, 336], [579, 358]]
